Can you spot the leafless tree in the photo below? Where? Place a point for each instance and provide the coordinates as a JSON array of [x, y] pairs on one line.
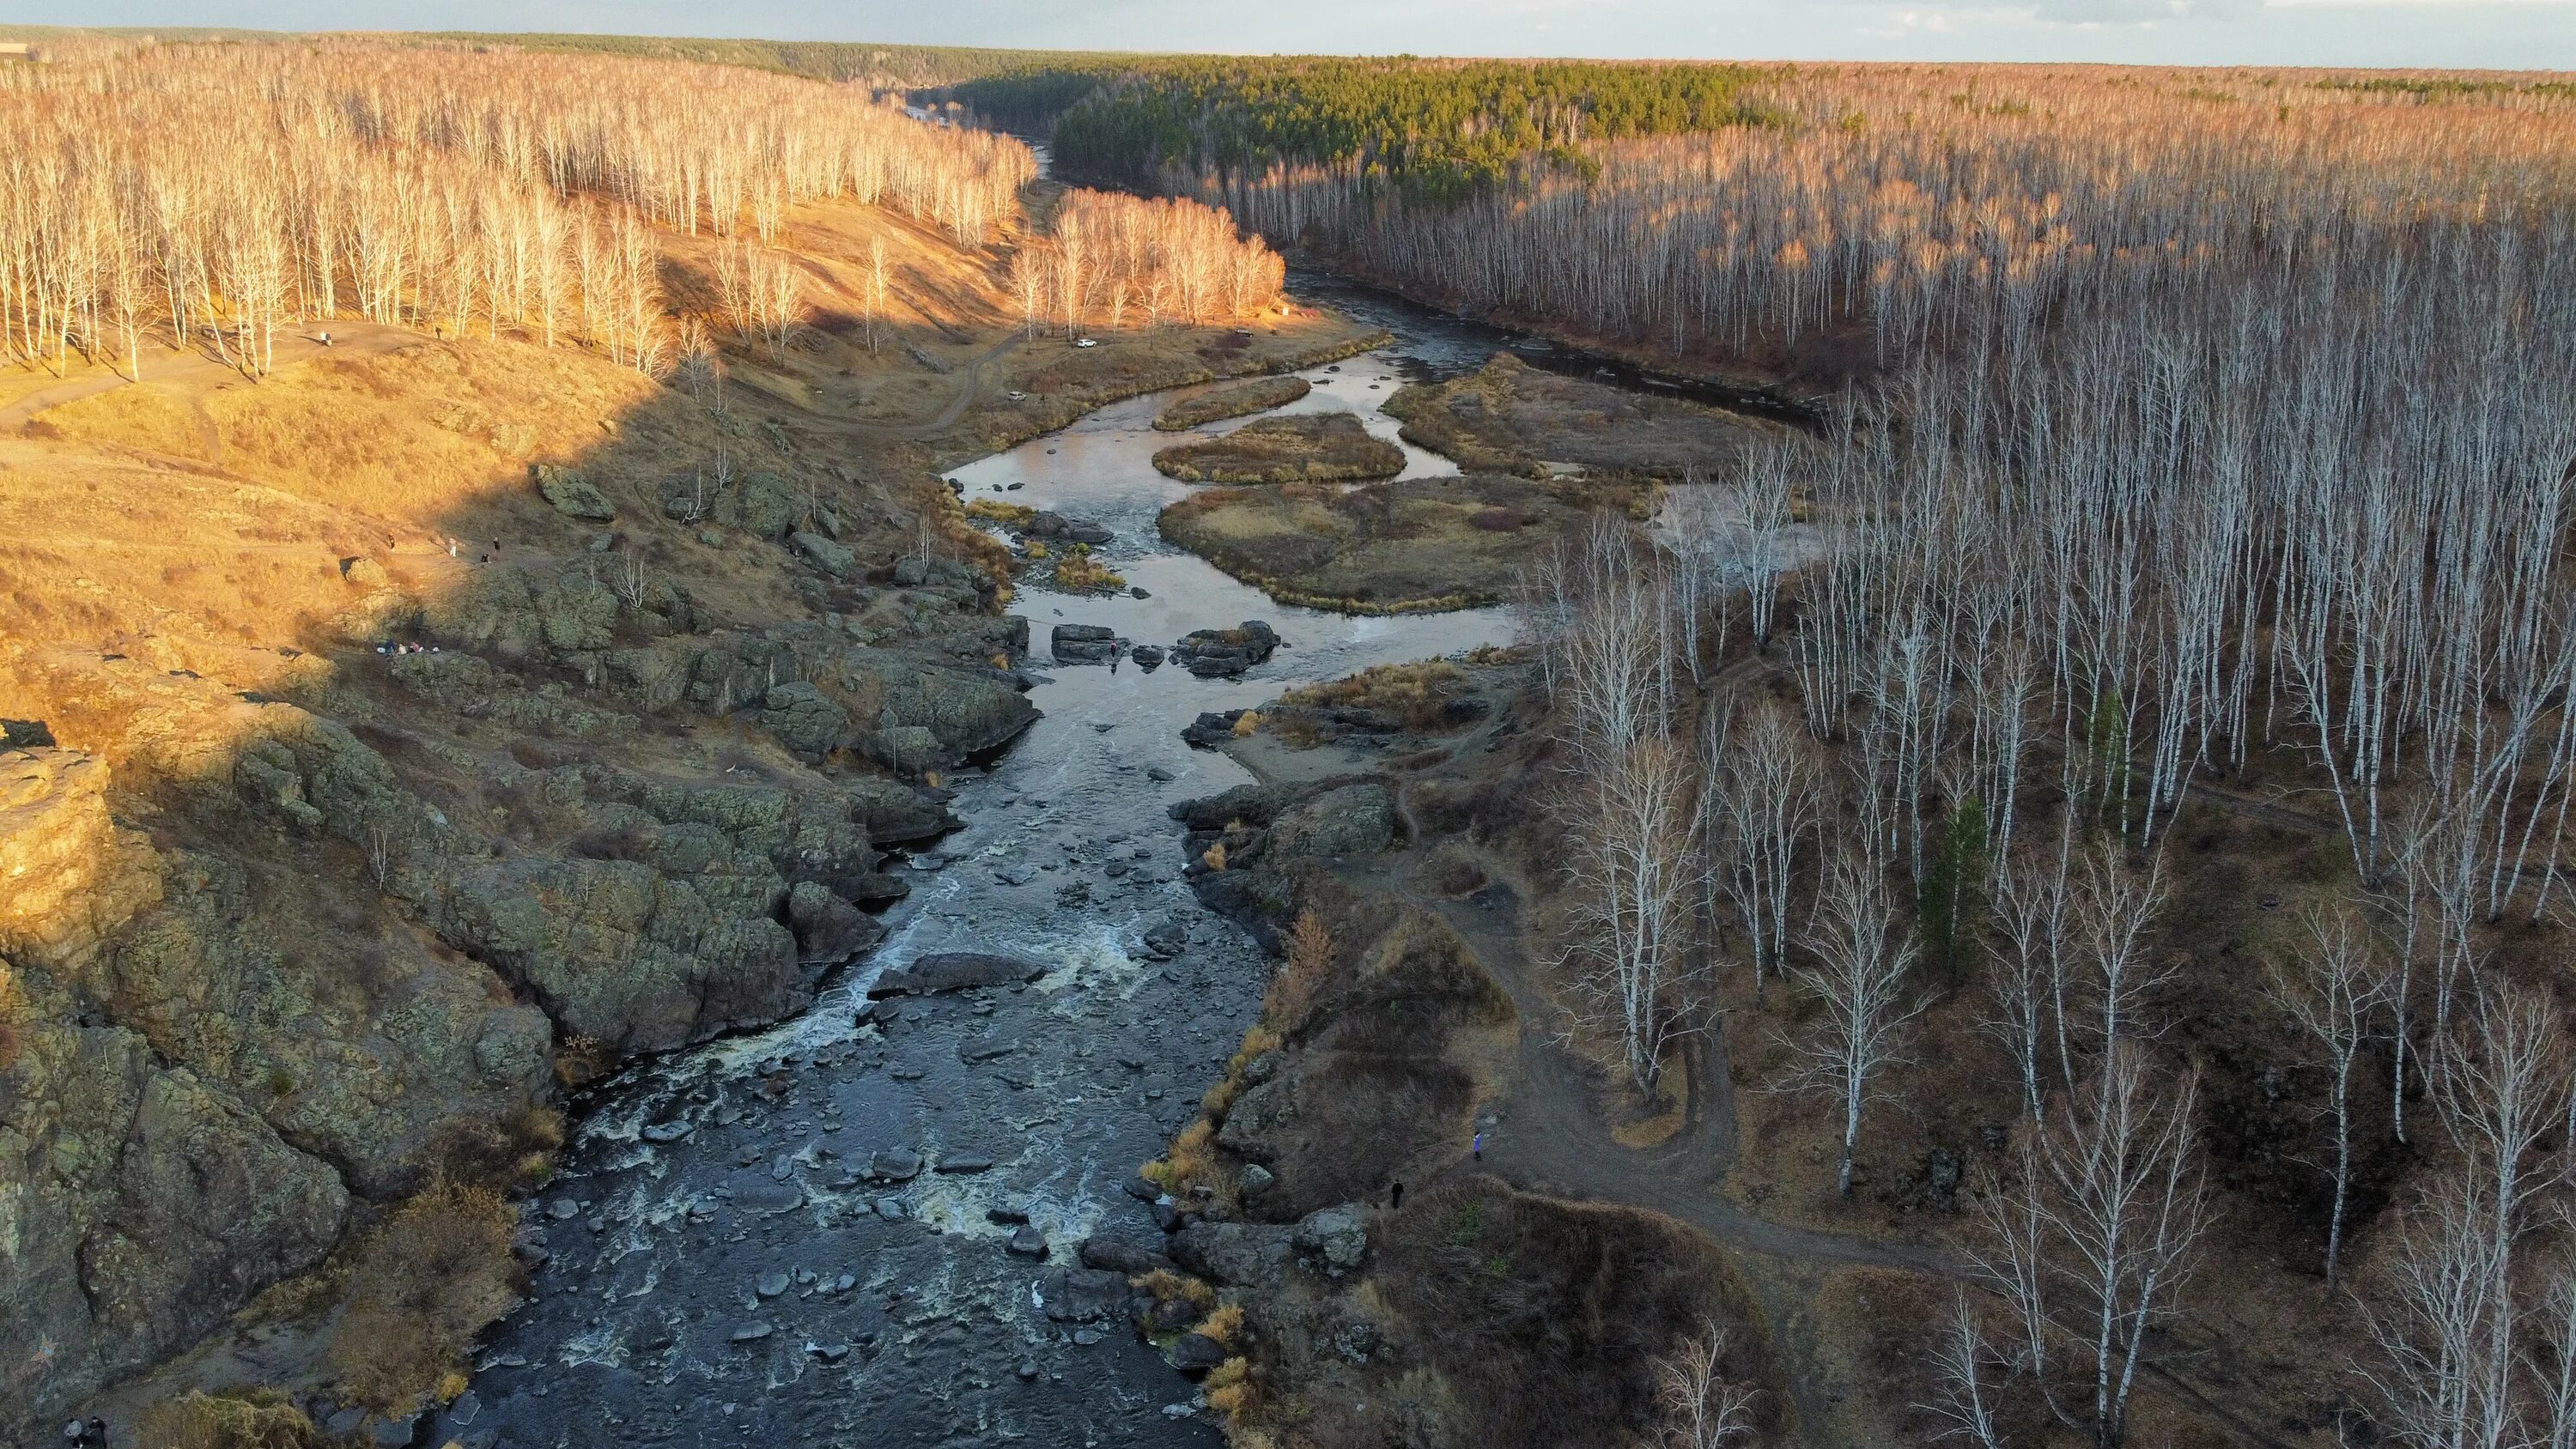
[[1629, 869], [1698, 1405], [1763, 804], [2090, 1244], [1858, 978], [2329, 989]]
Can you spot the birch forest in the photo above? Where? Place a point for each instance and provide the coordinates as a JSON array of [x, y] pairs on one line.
[[177, 196], [2180, 440]]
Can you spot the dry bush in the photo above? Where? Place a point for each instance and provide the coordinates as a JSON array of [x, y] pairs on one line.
[[1310, 961], [422, 1285], [1417, 694], [1165, 1286], [1224, 1324], [262, 1420], [1190, 1163], [1085, 574], [515, 1153]]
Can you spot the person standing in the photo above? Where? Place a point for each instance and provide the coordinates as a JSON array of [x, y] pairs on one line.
[[1395, 1198], [1476, 1146]]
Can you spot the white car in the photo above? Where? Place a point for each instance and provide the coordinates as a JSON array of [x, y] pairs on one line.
[[1086, 342]]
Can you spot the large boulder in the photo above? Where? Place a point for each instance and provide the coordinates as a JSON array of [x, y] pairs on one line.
[[1225, 653], [1355, 819], [828, 929], [1250, 804], [826, 555], [969, 711], [144, 1207], [1334, 1238], [1084, 643], [955, 971], [572, 495], [804, 719], [1248, 1255], [619, 953], [763, 505]]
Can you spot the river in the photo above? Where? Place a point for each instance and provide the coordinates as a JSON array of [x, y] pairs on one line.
[[784, 1238]]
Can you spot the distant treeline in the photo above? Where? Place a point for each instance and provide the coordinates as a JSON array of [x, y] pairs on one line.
[[892, 65], [1442, 129]]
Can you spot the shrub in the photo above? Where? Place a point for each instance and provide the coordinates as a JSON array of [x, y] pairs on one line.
[[1224, 1324], [261, 1420], [1165, 1286], [1214, 858], [1245, 723], [423, 1284], [1310, 960]]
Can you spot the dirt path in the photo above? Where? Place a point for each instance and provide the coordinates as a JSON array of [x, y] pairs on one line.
[[1553, 1135], [970, 382], [193, 374]]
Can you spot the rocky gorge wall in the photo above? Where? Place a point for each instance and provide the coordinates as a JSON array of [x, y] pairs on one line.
[[274, 965]]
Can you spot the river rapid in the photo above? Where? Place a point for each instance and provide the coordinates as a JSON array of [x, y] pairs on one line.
[[790, 1237]]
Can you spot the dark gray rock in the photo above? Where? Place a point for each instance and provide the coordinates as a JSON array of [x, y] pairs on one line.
[[828, 929], [1195, 1354], [1029, 1242], [1252, 1255], [1084, 643], [1055, 526], [896, 1165], [1249, 804], [1082, 1295], [1335, 1238], [1350, 820], [955, 971]]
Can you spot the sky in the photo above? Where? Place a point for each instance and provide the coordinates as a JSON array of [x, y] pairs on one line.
[[2497, 34]]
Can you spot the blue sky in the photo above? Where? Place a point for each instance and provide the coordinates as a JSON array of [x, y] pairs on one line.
[[2515, 34]]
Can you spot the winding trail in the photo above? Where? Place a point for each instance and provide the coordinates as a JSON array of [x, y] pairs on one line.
[[1554, 1137], [197, 373]]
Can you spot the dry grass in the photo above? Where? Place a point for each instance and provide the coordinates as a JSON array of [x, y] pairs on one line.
[[431, 1277], [1255, 395], [1309, 448], [1543, 1317], [1309, 961], [1414, 694], [1011, 515], [1509, 417], [1165, 1286], [1081, 573], [1404, 547], [263, 1420]]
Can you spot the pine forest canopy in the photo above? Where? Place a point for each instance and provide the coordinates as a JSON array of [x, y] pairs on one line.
[[1439, 127]]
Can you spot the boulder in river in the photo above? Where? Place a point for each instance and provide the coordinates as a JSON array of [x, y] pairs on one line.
[[1084, 643], [955, 971], [1226, 653], [1055, 526]]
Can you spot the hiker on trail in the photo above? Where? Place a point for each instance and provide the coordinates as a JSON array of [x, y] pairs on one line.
[[1477, 1146], [1395, 1199], [1115, 655]]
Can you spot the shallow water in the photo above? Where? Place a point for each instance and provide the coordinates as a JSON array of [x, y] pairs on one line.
[[662, 1315]]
